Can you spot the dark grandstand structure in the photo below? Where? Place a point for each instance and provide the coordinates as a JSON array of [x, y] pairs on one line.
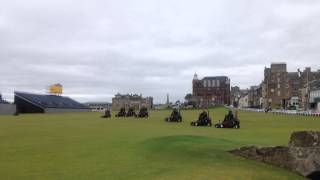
[[36, 103]]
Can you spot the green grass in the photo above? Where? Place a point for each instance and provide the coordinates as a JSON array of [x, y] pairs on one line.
[[84, 146]]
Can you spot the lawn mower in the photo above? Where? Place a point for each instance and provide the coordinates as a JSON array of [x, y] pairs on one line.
[[203, 120], [143, 113], [174, 117], [229, 121], [121, 113]]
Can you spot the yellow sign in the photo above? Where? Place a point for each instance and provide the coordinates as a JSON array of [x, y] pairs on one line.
[[56, 89]]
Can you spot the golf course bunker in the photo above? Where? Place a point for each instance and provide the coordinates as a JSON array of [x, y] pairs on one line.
[[301, 156]]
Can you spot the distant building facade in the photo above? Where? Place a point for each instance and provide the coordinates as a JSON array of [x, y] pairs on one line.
[[243, 101], [131, 100], [98, 106], [281, 89], [276, 84], [235, 94], [254, 97], [211, 90], [311, 94], [315, 99]]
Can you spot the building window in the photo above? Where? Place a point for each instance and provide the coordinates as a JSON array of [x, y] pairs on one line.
[[272, 90], [279, 85], [279, 93], [213, 83], [218, 83]]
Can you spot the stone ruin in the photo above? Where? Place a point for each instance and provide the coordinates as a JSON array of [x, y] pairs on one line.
[[301, 156], [304, 148]]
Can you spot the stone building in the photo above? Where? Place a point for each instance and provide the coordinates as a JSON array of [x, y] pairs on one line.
[[310, 96], [276, 84], [243, 101], [211, 90], [235, 94], [254, 97], [314, 99], [281, 89], [98, 106], [131, 100]]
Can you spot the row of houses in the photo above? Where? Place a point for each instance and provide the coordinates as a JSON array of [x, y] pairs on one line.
[[281, 89]]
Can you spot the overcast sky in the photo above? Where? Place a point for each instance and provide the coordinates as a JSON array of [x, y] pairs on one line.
[[151, 47]]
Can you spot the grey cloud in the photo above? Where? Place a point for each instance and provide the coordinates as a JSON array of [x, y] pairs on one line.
[[98, 48]]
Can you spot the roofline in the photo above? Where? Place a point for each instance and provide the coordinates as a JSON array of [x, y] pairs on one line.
[[38, 94], [278, 63], [215, 77]]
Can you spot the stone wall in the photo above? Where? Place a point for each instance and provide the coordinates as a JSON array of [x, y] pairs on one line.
[[304, 147], [301, 156], [277, 156]]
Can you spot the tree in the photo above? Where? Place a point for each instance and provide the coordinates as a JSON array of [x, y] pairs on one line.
[[188, 97]]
